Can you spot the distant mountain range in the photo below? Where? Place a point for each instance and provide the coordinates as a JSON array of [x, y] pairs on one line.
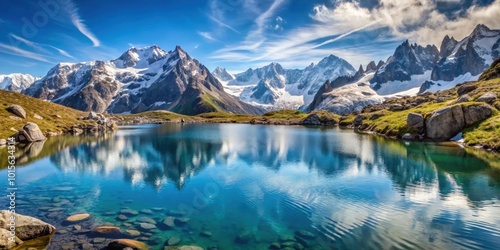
[[16, 82], [153, 79], [273, 87]]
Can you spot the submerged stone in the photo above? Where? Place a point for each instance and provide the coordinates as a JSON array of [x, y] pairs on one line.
[[129, 212], [77, 218]]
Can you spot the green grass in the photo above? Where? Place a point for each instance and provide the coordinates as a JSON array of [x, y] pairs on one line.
[[32, 106], [393, 123], [154, 116]]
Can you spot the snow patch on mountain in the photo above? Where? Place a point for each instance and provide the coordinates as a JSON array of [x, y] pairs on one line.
[[16, 82]]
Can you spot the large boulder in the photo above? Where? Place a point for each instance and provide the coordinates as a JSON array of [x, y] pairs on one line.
[[415, 121], [476, 113], [312, 119], [488, 97], [27, 227], [17, 110], [30, 133], [466, 88], [445, 123]]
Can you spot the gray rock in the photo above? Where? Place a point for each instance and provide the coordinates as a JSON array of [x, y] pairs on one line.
[[172, 241], [441, 99], [444, 123], [146, 220], [407, 137], [488, 97], [30, 133], [415, 120], [37, 116], [312, 119], [129, 212], [147, 226], [17, 110], [396, 107], [27, 227], [476, 113], [169, 222], [466, 89], [464, 98]]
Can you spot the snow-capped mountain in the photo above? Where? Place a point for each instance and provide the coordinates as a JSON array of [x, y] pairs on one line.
[[398, 73], [466, 59], [223, 75], [16, 82], [455, 62], [347, 94], [410, 70], [273, 87], [139, 80]]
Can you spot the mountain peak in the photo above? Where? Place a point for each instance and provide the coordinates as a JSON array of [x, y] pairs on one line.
[[141, 57]]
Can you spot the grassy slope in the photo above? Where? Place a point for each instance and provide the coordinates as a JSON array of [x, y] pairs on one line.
[[36, 106], [393, 123]]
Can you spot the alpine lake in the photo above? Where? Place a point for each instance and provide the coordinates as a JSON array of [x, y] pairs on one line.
[[238, 186]]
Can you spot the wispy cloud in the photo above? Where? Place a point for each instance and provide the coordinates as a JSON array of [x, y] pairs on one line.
[[207, 35], [222, 24], [78, 22], [417, 20], [11, 50], [40, 46]]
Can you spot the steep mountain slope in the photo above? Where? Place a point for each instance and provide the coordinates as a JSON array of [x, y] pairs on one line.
[[139, 80], [273, 87], [346, 94], [414, 68], [16, 82], [400, 70]]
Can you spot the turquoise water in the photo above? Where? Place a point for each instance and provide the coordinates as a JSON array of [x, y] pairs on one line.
[[267, 184]]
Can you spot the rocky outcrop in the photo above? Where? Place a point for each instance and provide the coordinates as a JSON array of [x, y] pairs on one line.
[[488, 97], [312, 119], [415, 121], [493, 72], [27, 228], [466, 88], [463, 98], [476, 113], [445, 123], [17, 110], [30, 133]]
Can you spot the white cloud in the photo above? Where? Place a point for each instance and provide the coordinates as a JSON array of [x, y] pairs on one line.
[[207, 35], [78, 22], [11, 50], [417, 20], [222, 24], [39, 46]]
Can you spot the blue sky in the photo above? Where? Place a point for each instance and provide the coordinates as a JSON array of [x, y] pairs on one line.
[[236, 34]]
